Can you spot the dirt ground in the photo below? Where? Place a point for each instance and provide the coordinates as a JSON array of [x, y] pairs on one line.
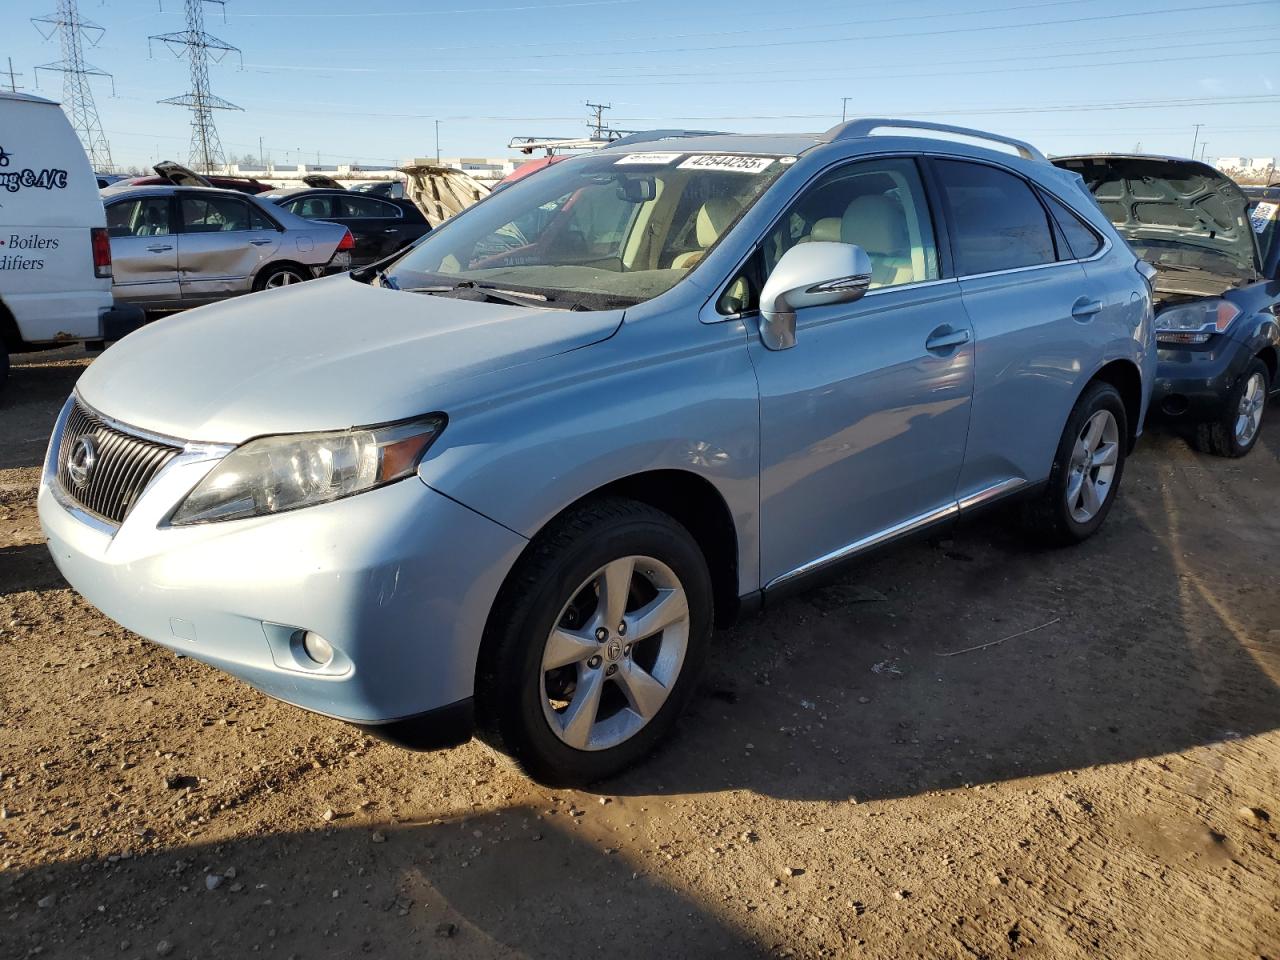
[[1105, 786]]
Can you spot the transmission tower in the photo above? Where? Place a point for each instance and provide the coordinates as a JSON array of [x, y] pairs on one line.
[[199, 48], [77, 97]]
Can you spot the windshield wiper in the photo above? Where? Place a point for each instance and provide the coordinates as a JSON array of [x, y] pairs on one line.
[[384, 279]]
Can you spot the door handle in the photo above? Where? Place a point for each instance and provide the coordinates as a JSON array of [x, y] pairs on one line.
[[944, 338], [261, 243], [1084, 308], [391, 230], [160, 249]]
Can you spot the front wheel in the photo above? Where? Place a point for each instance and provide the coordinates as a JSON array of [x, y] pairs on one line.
[[1086, 469], [1235, 432], [595, 643]]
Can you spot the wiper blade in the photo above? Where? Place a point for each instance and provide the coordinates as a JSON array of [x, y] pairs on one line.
[[384, 279]]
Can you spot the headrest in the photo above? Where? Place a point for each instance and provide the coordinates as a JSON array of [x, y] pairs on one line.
[[715, 215], [875, 223], [828, 228]]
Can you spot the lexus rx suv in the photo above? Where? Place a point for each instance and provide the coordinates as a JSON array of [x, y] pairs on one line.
[[507, 482]]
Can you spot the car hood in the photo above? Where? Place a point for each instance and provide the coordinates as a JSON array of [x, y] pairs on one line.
[[323, 355], [1176, 213]]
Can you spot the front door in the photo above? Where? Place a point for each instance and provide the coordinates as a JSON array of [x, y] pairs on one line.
[[224, 241], [863, 421], [144, 251]]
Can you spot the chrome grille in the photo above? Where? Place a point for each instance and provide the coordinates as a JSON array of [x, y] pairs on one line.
[[124, 464]]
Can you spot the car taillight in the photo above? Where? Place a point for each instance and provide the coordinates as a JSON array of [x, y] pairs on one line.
[[101, 243], [347, 242]]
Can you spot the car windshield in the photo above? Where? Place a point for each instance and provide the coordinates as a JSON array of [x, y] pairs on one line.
[[606, 230]]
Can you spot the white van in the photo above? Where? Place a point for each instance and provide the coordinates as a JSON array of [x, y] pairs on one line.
[[55, 255]]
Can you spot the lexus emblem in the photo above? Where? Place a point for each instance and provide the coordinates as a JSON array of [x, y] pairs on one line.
[[84, 457]]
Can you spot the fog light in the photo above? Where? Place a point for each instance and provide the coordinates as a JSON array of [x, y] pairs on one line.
[[317, 648]]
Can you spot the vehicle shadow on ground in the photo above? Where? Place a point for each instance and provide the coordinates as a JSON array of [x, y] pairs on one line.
[[848, 691], [506, 883], [38, 386], [28, 567]]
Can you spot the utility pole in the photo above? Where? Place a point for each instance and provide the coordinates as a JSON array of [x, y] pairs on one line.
[[1204, 149], [1195, 139], [261, 162], [199, 48], [437, 143], [844, 108], [77, 97], [13, 78], [597, 125]]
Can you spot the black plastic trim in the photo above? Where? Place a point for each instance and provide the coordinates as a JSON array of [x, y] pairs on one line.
[[448, 726]]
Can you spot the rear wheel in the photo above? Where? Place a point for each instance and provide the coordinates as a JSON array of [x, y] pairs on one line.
[[1086, 470], [284, 275], [1235, 432], [595, 643]]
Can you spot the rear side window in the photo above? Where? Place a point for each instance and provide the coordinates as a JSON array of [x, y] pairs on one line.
[[361, 207], [311, 208], [996, 220], [1080, 239], [144, 217]]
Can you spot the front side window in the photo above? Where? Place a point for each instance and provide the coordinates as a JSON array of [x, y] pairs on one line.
[[608, 229], [880, 205], [143, 217], [997, 222], [213, 214]]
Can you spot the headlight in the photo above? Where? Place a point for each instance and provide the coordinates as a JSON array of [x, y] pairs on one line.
[[274, 474], [1195, 322]]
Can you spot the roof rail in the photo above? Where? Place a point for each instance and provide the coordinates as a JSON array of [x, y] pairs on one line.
[[862, 128], [649, 136]]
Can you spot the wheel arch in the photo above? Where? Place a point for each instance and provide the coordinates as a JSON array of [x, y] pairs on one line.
[[10, 336], [693, 502], [266, 268], [1125, 376], [1271, 359]]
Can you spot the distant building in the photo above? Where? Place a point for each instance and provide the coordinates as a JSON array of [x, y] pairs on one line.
[[1247, 168]]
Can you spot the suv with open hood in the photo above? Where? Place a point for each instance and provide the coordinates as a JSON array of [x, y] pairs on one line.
[[1216, 304]]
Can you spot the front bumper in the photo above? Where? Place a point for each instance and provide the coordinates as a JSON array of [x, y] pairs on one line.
[[400, 580], [1192, 383]]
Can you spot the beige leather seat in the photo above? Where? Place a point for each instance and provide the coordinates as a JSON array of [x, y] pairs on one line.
[[713, 217], [877, 224]]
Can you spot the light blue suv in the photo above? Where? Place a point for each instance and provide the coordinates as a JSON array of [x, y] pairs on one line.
[[508, 482]]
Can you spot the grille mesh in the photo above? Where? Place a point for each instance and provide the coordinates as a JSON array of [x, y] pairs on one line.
[[125, 465]]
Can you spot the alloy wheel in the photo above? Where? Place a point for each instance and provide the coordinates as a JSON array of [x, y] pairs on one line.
[[615, 653], [1093, 466], [1249, 414], [282, 278]]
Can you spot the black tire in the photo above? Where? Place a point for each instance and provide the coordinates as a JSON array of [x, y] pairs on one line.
[[509, 679], [1048, 518], [271, 273], [1219, 437]]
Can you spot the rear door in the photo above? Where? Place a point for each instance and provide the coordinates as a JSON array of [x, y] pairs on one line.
[[224, 240], [1031, 314], [144, 250]]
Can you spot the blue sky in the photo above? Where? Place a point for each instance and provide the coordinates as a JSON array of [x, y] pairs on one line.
[[366, 86]]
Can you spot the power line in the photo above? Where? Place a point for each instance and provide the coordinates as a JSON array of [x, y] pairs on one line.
[[77, 96], [199, 47], [14, 86]]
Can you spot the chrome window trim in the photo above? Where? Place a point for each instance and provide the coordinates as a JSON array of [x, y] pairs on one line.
[[713, 315], [954, 508]]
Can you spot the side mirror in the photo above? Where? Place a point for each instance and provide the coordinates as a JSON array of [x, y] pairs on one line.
[[810, 275]]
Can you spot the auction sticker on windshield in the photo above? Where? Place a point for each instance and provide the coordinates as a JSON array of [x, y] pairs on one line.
[[652, 159], [733, 163]]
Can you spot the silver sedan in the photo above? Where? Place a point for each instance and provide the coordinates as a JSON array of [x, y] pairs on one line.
[[175, 247]]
